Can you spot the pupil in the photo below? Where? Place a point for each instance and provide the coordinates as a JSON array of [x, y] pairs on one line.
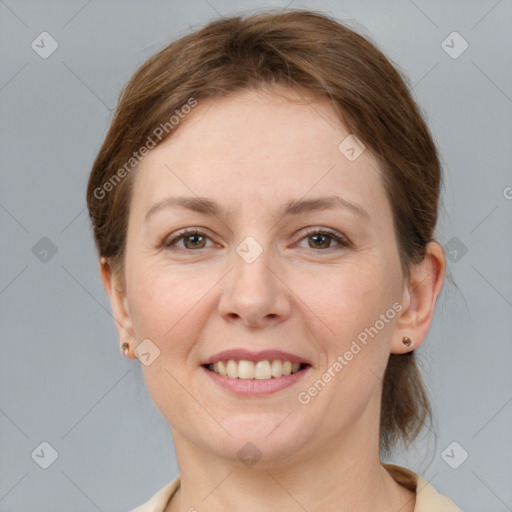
[[320, 236], [194, 237]]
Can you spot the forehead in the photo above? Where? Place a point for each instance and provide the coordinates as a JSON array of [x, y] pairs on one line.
[[256, 125], [260, 146]]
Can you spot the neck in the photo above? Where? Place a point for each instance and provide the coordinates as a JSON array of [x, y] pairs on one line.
[[346, 471]]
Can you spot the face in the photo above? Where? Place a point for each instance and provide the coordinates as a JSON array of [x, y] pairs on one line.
[[311, 282]]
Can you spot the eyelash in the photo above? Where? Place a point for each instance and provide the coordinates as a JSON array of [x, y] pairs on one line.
[[187, 232]]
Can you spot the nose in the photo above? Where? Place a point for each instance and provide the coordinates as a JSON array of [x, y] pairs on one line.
[[255, 293]]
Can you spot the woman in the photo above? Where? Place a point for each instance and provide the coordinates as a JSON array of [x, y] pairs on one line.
[[264, 206]]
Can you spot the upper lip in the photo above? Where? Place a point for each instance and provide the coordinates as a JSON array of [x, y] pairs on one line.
[[239, 353]]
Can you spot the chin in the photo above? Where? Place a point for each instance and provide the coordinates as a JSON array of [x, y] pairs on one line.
[[262, 436]]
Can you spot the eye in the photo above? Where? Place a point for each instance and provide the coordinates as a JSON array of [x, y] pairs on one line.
[[322, 238], [192, 238]]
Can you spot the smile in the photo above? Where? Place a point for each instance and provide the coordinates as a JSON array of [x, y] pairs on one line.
[[247, 378], [259, 370]]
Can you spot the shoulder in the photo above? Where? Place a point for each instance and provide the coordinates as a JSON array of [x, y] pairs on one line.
[[159, 501], [429, 500], [427, 497]]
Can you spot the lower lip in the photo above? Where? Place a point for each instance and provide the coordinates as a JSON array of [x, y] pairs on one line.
[[255, 387]]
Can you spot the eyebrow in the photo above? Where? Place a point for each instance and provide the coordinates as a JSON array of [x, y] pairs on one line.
[[294, 207]]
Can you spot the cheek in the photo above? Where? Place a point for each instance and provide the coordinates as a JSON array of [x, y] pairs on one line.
[[348, 299], [165, 304], [363, 316], [167, 307], [356, 305]]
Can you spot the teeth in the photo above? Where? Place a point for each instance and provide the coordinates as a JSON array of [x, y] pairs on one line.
[[277, 368], [245, 370], [221, 368], [262, 370], [232, 369]]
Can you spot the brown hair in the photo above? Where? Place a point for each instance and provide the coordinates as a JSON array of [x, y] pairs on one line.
[[303, 50]]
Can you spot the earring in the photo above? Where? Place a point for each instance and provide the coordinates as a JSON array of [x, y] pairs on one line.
[[125, 348], [407, 342]]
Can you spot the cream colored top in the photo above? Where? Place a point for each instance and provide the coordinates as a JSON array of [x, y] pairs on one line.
[[427, 498]]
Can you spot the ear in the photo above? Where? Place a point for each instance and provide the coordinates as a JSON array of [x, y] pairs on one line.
[[419, 299], [119, 305]]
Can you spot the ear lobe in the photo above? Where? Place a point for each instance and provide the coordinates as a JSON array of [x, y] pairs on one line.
[[419, 299], [118, 302]]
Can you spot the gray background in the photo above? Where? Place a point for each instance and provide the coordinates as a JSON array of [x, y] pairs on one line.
[[62, 378]]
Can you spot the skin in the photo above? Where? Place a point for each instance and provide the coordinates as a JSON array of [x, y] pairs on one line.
[[252, 152]]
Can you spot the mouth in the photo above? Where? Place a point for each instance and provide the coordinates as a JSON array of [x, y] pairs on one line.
[[244, 378], [266, 369], [254, 374]]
